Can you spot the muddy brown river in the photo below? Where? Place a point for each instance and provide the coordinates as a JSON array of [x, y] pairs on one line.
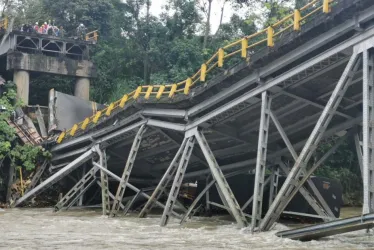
[[88, 229]]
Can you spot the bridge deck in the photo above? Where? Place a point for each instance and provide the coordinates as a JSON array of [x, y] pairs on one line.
[[312, 75], [329, 228], [233, 135]]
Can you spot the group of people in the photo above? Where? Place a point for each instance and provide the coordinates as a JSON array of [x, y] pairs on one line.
[[45, 28], [53, 30]]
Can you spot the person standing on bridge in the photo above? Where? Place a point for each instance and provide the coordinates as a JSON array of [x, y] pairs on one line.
[[81, 31], [36, 27], [45, 28], [61, 32]]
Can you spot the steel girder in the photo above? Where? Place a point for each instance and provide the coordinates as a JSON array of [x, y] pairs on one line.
[[164, 182], [222, 185], [289, 58], [76, 190], [105, 199], [368, 131], [261, 160], [178, 179], [127, 170], [57, 176], [132, 187], [205, 192], [325, 211], [358, 148], [38, 174], [283, 197], [310, 46]]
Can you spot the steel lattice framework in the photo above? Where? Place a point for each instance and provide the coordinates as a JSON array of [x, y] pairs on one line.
[[253, 117]]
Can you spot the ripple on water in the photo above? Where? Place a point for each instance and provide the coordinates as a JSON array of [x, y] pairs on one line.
[[88, 229]]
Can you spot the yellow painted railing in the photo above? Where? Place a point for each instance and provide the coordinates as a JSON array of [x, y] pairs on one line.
[[4, 23], [265, 37], [92, 36]]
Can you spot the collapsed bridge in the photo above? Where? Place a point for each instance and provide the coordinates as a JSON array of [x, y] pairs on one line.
[[310, 77]]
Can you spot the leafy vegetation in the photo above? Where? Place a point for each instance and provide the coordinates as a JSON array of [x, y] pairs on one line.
[[21, 156]]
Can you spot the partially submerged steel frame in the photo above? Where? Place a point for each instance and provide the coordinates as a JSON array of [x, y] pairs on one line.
[[105, 199], [76, 190], [221, 180], [368, 131], [274, 181], [317, 134], [132, 187], [38, 174], [261, 159], [323, 211], [205, 192], [284, 195], [57, 176], [164, 182], [127, 170], [308, 196], [178, 179]]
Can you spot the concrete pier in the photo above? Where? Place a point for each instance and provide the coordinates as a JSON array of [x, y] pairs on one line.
[[22, 79], [82, 88]]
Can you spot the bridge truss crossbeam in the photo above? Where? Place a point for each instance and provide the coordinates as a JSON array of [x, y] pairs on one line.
[[284, 196]]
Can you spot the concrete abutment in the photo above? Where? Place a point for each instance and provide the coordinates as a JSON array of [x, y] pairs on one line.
[[22, 80]]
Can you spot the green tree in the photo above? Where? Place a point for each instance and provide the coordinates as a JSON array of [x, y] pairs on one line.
[[23, 156]]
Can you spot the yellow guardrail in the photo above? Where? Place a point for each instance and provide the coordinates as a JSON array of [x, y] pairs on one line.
[[92, 36], [4, 23], [292, 22]]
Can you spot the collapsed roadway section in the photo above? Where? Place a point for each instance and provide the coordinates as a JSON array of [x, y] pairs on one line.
[[267, 113]]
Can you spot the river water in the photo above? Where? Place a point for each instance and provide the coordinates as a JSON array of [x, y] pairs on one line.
[[88, 229]]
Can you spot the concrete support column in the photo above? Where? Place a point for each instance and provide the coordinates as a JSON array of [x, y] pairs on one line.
[[82, 88], [22, 79]]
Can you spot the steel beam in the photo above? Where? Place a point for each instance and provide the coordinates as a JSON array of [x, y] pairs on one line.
[[166, 125], [127, 170], [313, 103], [368, 132], [307, 195], [284, 77], [247, 163], [273, 185], [172, 113], [81, 199], [38, 174], [205, 192], [325, 211], [283, 197], [131, 202], [77, 190], [178, 179], [96, 134], [291, 57], [261, 160], [132, 187], [250, 200], [164, 182], [178, 140], [221, 180], [207, 196], [359, 152], [110, 194], [105, 199], [80, 194], [57, 176]]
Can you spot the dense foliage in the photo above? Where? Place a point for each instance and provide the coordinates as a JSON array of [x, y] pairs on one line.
[[136, 48], [21, 156]]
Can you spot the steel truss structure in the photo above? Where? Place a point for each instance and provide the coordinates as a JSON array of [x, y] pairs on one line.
[[47, 45], [310, 94]]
